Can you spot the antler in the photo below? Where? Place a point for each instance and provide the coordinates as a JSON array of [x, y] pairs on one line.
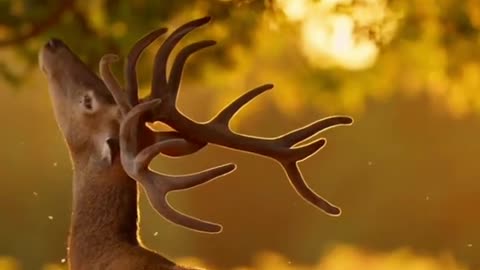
[[157, 185], [139, 146], [283, 148], [217, 130]]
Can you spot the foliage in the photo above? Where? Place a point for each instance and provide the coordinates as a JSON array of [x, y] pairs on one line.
[[340, 52]]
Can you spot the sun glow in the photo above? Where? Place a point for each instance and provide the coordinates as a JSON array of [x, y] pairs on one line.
[[295, 10], [339, 32]]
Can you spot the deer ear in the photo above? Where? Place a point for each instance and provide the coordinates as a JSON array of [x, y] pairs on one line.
[[110, 149]]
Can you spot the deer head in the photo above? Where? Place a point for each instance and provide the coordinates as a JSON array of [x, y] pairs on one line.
[[85, 111], [89, 116], [160, 105]]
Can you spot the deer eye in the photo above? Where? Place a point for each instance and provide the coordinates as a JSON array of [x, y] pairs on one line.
[[88, 102]]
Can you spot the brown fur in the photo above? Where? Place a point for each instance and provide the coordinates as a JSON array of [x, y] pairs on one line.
[[104, 221]]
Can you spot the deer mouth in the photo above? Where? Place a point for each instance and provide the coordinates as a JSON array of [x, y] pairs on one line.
[[52, 54], [46, 53]]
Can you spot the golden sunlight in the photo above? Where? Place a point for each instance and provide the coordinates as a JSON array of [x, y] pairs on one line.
[[338, 33], [294, 10], [8, 263], [347, 257]]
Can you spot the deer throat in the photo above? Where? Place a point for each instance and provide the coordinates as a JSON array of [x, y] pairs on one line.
[[104, 214]]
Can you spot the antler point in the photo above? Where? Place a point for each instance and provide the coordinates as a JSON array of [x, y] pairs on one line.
[[335, 212], [352, 121], [205, 19], [109, 58]]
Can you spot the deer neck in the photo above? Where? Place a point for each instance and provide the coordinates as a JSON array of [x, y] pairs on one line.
[[104, 210]]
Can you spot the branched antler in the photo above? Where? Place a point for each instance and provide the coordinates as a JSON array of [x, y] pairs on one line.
[[157, 185], [164, 94], [136, 157]]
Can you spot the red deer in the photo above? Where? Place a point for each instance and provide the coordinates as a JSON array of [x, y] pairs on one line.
[[110, 146]]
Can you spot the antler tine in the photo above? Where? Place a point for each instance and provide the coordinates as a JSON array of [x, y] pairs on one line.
[[129, 135], [298, 183], [177, 68], [158, 202], [130, 73], [159, 82], [112, 83], [299, 135], [227, 113], [157, 185]]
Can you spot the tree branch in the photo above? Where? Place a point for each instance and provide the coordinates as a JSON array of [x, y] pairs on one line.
[[40, 27]]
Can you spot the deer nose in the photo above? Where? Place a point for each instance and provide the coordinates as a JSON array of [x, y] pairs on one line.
[[54, 43]]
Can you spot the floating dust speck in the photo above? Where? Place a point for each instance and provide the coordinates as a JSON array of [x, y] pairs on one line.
[[370, 163], [50, 217], [35, 194], [55, 164], [63, 260], [470, 245], [427, 198], [155, 233]]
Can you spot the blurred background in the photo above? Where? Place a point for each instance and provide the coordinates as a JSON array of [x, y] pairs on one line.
[[405, 174]]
